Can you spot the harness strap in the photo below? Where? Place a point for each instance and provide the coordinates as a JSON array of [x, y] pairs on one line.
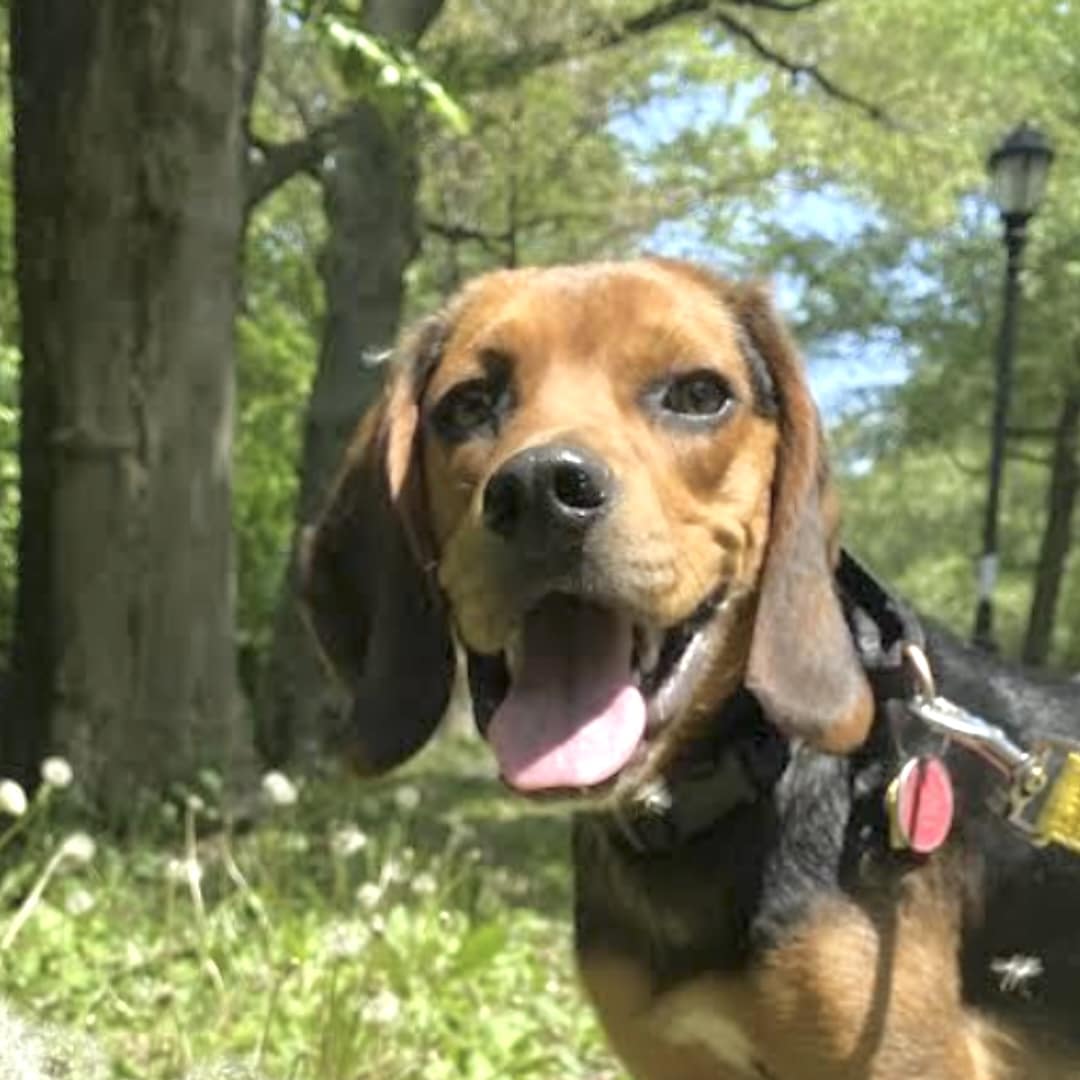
[[714, 777]]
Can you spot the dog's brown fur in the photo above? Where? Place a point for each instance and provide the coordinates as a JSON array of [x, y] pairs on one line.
[[859, 986]]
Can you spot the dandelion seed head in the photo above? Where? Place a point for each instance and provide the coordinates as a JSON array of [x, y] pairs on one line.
[[79, 847], [383, 1009], [57, 772], [347, 841], [183, 871], [424, 884], [346, 940], [12, 798], [79, 903], [407, 798], [278, 789], [368, 895]]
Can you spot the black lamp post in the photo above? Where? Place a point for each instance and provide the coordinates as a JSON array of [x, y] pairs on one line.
[[1018, 170]]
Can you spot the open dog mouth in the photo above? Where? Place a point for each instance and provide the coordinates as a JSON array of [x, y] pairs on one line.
[[580, 688]]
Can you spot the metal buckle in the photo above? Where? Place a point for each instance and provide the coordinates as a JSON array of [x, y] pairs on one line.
[[1047, 807], [1042, 798]]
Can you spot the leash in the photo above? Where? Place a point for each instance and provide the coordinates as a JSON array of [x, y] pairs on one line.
[[1042, 781], [1040, 796]]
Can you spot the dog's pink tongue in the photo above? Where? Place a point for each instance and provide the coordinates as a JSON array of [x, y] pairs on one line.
[[573, 715]]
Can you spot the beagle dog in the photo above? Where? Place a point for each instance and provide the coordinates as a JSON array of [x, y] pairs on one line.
[[606, 484]]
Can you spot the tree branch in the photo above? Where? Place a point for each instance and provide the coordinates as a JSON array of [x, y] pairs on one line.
[[1030, 433], [494, 242], [513, 67], [1031, 459], [279, 162], [798, 69], [778, 5]]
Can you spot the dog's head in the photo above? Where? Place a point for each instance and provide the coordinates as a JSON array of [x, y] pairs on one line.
[[607, 483]]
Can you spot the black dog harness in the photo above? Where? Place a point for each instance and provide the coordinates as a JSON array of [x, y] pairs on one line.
[[741, 764]]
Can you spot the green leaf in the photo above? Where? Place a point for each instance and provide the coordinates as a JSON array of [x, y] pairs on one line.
[[480, 947], [393, 69]]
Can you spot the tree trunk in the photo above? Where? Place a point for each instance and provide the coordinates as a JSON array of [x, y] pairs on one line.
[[129, 183], [370, 185], [1057, 535], [369, 193]]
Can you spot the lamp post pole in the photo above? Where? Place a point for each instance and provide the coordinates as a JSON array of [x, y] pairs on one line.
[[1018, 170], [1015, 237]]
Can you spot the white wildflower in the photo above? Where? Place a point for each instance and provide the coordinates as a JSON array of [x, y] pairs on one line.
[[407, 798], [296, 843], [79, 847], [79, 903], [56, 772], [347, 841], [278, 789], [368, 895], [424, 884], [383, 1009], [196, 804], [346, 940], [183, 871], [392, 872], [12, 799]]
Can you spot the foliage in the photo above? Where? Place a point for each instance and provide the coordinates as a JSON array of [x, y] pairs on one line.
[[371, 66], [915, 285], [349, 935], [592, 155], [278, 338], [916, 517]]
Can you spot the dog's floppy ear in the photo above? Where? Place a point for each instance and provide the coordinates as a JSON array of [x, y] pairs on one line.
[[366, 571], [803, 667]]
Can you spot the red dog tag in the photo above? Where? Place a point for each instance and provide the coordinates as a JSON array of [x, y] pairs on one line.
[[920, 804]]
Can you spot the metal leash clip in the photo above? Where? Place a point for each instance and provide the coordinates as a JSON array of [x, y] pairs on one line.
[[1042, 797]]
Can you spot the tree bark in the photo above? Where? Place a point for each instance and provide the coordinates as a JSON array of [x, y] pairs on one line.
[[1061, 499], [130, 156], [370, 182], [369, 195]]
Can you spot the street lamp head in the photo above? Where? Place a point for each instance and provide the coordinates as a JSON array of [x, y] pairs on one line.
[[1018, 168]]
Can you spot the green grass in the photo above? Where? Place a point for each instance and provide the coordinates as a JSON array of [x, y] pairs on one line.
[[413, 927]]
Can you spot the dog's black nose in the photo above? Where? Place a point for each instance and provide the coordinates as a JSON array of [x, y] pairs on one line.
[[550, 492]]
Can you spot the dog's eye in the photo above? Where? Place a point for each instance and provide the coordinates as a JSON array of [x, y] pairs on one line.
[[468, 409], [697, 394]]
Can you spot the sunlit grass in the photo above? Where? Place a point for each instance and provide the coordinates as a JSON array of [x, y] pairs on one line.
[[415, 927]]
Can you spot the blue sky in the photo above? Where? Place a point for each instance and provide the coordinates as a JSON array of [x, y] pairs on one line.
[[848, 367]]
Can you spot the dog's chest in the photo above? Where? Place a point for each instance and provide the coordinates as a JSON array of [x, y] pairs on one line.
[[840, 1000], [692, 1032]]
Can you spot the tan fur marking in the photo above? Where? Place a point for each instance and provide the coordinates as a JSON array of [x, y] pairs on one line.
[[847, 998], [665, 1038]]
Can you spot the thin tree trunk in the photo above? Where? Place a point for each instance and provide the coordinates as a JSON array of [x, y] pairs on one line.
[[129, 181], [370, 183], [1062, 493], [369, 194]]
